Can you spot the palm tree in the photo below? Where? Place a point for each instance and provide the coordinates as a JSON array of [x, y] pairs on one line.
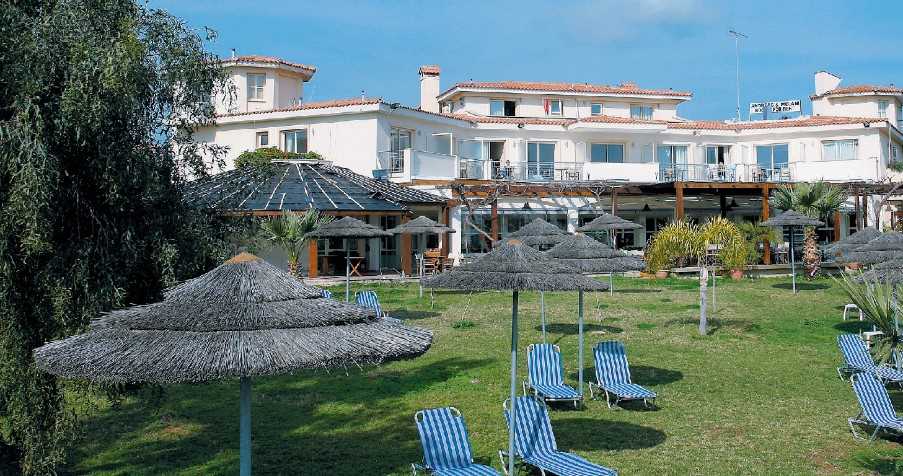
[[816, 200], [291, 232]]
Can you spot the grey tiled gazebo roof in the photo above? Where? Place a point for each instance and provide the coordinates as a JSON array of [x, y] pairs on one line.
[[302, 185]]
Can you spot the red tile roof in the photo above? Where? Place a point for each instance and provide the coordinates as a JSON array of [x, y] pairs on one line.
[[813, 121], [602, 119], [430, 69], [569, 88], [313, 105], [860, 89], [268, 60], [537, 121]]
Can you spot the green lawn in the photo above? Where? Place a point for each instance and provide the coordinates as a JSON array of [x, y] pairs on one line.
[[759, 395]]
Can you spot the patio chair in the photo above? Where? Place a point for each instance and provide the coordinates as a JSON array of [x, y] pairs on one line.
[[856, 359], [545, 375], [876, 407], [613, 375], [534, 443], [446, 447]]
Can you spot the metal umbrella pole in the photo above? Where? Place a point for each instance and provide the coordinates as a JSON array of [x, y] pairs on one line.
[[542, 314], [347, 272], [580, 339], [513, 389], [245, 428], [792, 262]]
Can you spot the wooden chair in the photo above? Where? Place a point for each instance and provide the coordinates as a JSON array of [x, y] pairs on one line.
[[432, 261]]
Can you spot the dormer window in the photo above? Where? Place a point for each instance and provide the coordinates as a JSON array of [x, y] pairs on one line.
[[595, 109], [882, 109], [554, 107], [500, 107], [641, 111], [256, 82]]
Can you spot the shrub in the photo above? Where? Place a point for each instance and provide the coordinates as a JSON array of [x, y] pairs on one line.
[[263, 156]]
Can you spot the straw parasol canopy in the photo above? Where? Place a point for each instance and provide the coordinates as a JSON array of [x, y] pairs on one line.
[[515, 266], [792, 218], [887, 246], [887, 272], [608, 222], [420, 225], [851, 243], [349, 227], [245, 318], [591, 256], [539, 233]]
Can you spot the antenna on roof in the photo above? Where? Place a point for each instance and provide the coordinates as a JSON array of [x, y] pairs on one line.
[[233, 53], [737, 35]]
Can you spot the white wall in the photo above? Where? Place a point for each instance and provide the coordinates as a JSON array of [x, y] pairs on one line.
[[281, 90], [533, 105]]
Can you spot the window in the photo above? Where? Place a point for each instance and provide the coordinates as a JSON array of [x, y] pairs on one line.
[[295, 141], [641, 111], [882, 109], [263, 139], [900, 115], [399, 140], [840, 149], [255, 86], [772, 156], [554, 107], [716, 154], [606, 153], [499, 107], [540, 160], [595, 109]]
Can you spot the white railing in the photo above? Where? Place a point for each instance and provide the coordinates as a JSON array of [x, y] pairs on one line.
[[723, 173], [520, 171]]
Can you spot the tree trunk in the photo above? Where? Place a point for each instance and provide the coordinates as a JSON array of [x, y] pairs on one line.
[[293, 266], [810, 253], [703, 301]]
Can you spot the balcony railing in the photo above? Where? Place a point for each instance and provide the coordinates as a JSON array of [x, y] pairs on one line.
[[722, 173], [519, 171]]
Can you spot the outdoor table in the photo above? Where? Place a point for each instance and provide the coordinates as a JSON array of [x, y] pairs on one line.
[[355, 262]]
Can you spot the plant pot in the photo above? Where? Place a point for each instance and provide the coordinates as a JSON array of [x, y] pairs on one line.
[[661, 274], [736, 274], [854, 266]]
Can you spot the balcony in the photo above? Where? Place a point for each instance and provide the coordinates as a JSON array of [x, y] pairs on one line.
[[722, 173], [478, 169]]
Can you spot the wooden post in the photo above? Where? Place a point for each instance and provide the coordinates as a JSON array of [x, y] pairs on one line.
[[313, 259], [445, 220], [679, 200], [244, 427], [495, 221], [405, 249], [766, 253], [837, 225], [858, 210], [614, 201], [722, 204], [865, 211]]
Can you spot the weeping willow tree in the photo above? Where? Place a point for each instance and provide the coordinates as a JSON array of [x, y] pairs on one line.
[[683, 243], [97, 101]]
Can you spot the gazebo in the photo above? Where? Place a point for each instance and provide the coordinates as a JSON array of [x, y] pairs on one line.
[[517, 267], [243, 319], [345, 228], [792, 219]]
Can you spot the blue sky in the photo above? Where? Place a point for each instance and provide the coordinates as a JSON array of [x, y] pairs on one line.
[[682, 44]]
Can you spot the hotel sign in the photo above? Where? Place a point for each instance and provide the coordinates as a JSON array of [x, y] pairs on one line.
[[793, 105]]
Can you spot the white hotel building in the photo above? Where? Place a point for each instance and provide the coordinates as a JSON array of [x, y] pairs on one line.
[[563, 151]]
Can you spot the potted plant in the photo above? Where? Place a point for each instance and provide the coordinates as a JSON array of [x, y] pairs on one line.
[[734, 256]]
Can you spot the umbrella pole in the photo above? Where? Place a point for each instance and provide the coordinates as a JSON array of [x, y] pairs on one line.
[[245, 428], [420, 279], [792, 262], [513, 392], [714, 280], [347, 272], [580, 339], [611, 284], [542, 314]]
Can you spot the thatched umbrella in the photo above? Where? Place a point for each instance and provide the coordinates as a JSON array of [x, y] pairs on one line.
[[517, 267], [345, 228], [887, 246], [841, 248], [540, 234], [421, 226], [608, 223], [590, 256], [244, 319], [792, 219]]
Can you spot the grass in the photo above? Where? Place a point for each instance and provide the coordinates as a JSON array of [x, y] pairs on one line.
[[759, 395]]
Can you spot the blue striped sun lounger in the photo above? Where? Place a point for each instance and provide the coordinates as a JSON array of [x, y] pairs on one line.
[[545, 375], [446, 446], [613, 375], [856, 358], [534, 442], [876, 408], [326, 293]]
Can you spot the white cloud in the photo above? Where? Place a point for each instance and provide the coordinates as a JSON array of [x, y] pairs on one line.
[[619, 20]]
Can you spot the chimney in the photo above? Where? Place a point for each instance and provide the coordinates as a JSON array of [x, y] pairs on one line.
[[825, 81], [429, 87], [233, 53]]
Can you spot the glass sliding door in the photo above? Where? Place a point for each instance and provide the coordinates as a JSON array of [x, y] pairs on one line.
[[672, 162], [540, 160], [772, 161]]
